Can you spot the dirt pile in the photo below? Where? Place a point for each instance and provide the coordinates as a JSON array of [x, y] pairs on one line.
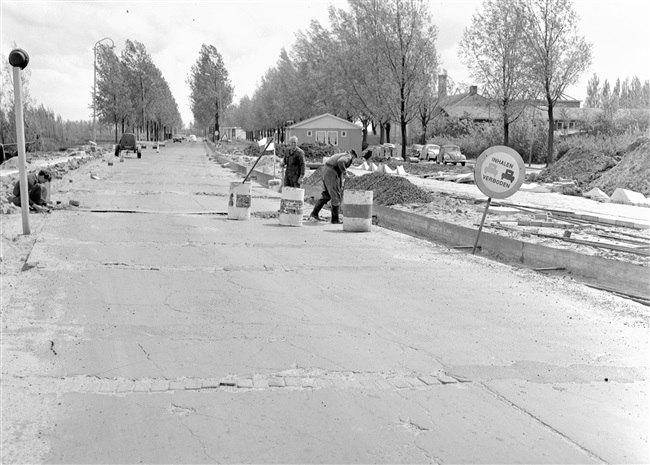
[[387, 189], [591, 169], [632, 172], [579, 165]]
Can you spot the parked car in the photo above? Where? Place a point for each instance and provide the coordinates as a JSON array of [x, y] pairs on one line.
[[429, 152], [192, 138], [451, 154], [128, 144], [177, 138], [416, 149]]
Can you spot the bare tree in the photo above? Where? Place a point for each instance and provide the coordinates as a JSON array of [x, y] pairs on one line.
[[492, 48], [558, 54]]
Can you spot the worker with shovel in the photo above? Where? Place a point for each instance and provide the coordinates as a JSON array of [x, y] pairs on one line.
[[336, 170], [293, 165]]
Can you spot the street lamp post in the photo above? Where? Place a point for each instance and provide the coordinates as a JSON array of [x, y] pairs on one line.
[[95, 86]]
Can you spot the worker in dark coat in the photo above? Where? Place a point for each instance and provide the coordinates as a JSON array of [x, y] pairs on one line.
[[336, 170], [36, 190], [293, 164]]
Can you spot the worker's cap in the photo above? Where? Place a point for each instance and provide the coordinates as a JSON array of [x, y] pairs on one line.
[[46, 174], [354, 153]]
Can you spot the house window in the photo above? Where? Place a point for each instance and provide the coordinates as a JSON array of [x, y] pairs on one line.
[[333, 137], [344, 133], [309, 133], [320, 136]]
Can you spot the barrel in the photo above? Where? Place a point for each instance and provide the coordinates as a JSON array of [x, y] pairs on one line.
[[357, 211], [292, 203], [239, 201]]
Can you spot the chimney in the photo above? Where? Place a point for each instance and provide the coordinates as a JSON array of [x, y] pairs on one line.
[[473, 90], [442, 85]]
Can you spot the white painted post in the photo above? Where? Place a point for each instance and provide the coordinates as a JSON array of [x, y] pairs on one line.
[[18, 59]]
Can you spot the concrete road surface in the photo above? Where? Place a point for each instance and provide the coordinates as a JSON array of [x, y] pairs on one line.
[[147, 327]]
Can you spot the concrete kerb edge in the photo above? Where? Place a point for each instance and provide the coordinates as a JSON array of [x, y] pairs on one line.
[[618, 276]]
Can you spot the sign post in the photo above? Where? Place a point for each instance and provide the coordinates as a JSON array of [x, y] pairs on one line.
[[499, 172], [19, 59]]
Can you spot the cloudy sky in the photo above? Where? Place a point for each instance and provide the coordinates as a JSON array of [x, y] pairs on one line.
[[59, 37]]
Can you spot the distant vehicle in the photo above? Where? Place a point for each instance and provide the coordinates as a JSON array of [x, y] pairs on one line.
[[429, 152], [177, 138], [192, 138], [128, 144], [416, 149], [451, 154], [491, 169], [509, 174]]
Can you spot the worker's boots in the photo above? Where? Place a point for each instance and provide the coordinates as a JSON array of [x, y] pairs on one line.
[[317, 208], [335, 215]]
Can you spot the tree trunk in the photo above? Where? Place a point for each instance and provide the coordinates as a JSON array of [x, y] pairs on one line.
[[506, 130], [382, 133], [404, 142], [387, 132], [551, 128]]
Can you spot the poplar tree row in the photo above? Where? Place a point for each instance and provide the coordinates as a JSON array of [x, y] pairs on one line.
[[132, 94]]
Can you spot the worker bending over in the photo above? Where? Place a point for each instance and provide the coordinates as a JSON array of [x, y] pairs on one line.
[[336, 169]]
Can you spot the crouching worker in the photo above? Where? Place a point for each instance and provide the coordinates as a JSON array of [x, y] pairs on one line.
[[36, 190], [336, 169]]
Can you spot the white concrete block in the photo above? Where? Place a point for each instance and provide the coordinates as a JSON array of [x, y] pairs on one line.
[[597, 194], [628, 197]]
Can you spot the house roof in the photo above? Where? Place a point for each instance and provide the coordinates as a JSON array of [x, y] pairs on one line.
[[324, 121]]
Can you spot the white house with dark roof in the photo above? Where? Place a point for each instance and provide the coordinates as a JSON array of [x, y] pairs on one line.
[[327, 129]]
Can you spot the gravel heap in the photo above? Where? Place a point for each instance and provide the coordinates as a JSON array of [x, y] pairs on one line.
[[389, 189]]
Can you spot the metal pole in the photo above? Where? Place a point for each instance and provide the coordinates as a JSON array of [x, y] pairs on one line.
[[19, 59], [258, 159], [487, 207], [95, 96]]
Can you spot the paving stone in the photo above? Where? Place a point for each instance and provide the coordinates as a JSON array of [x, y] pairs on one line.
[[108, 385], [125, 386], [292, 381], [444, 379], [261, 383], [429, 380], [160, 385], [367, 382], [324, 383], [245, 383], [142, 386], [308, 382], [177, 385], [383, 384], [193, 384], [400, 383], [276, 382], [415, 382]]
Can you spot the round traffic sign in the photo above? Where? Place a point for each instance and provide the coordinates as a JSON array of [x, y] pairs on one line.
[[499, 172]]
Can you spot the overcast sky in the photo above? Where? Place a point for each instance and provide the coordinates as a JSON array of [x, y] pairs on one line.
[[59, 38]]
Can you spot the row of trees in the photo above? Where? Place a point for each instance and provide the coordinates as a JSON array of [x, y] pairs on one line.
[[377, 62], [624, 94], [132, 94]]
